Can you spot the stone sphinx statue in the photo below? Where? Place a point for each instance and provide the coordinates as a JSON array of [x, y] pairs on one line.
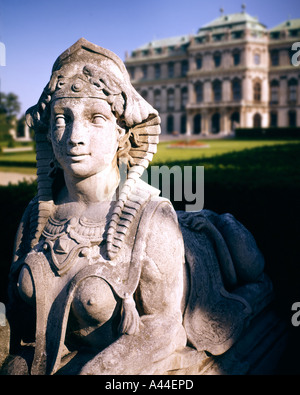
[[107, 278]]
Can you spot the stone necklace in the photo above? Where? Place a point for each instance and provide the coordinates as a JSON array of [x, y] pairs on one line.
[[68, 238]]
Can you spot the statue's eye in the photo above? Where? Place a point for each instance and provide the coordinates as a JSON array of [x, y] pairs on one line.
[[60, 120], [98, 119]]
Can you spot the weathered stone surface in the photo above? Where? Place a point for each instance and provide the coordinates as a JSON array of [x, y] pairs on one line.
[[107, 278], [4, 342]]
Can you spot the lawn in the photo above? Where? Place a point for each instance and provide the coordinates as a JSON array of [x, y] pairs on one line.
[[166, 154], [11, 158]]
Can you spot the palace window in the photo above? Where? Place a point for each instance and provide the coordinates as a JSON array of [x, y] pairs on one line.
[[236, 55], [131, 71], [236, 35], [273, 119], [183, 124], [275, 35], [274, 88], [184, 68], [217, 59], [292, 118], [257, 91], [145, 72], [184, 97], [215, 123], [157, 99], [257, 120], [170, 124], [292, 90], [199, 92], [217, 37], [235, 120], [170, 99], [257, 58], [197, 124], [157, 71], [199, 62], [236, 89], [171, 70], [217, 90], [144, 94], [199, 40], [274, 56]]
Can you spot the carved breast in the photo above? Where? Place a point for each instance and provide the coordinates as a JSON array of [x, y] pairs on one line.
[[94, 302]]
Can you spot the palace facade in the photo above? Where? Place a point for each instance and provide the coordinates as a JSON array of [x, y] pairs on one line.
[[234, 72]]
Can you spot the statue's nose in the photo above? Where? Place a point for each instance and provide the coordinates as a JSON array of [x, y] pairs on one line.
[[78, 135]]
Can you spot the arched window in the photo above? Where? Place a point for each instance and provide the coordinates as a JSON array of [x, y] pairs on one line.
[[292, 118], [170, 124], [274, 91], [157, 99], [197, 124], [292, 86], [199, 92], [144, 94], [183, 124], [215, 123], [170, 99], [235, 120], [184, 97], [217, 59], [217, 90], [273, 119], [236, 89], [257, 91], [257, 120]]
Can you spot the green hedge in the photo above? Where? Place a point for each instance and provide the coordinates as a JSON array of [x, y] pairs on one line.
[[13, 200], [271, 132]]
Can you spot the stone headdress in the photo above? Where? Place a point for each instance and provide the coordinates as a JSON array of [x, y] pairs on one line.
[[87, 70]]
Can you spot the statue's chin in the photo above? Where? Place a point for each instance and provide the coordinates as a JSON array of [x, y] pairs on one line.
[[85, 166]]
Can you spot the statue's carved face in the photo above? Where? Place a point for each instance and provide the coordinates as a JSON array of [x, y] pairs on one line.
[[84, 135]]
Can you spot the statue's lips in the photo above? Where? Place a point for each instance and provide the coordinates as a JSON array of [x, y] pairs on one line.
[[78, 156]]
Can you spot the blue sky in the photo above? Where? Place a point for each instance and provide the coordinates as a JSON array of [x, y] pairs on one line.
[[35, 32]]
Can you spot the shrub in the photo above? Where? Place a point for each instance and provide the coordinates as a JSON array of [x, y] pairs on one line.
[[13, 200], [272, 132]]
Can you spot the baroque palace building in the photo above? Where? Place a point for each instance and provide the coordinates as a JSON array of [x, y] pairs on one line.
[[233, 73]]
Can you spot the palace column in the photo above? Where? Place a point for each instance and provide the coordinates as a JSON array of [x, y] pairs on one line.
[[207, 91], [204, 122], [189, 124]]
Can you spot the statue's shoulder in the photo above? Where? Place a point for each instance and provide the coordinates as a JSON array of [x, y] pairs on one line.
[[157, 209], [159, 229]]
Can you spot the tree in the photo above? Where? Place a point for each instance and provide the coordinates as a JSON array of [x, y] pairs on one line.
[[9, 105]]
